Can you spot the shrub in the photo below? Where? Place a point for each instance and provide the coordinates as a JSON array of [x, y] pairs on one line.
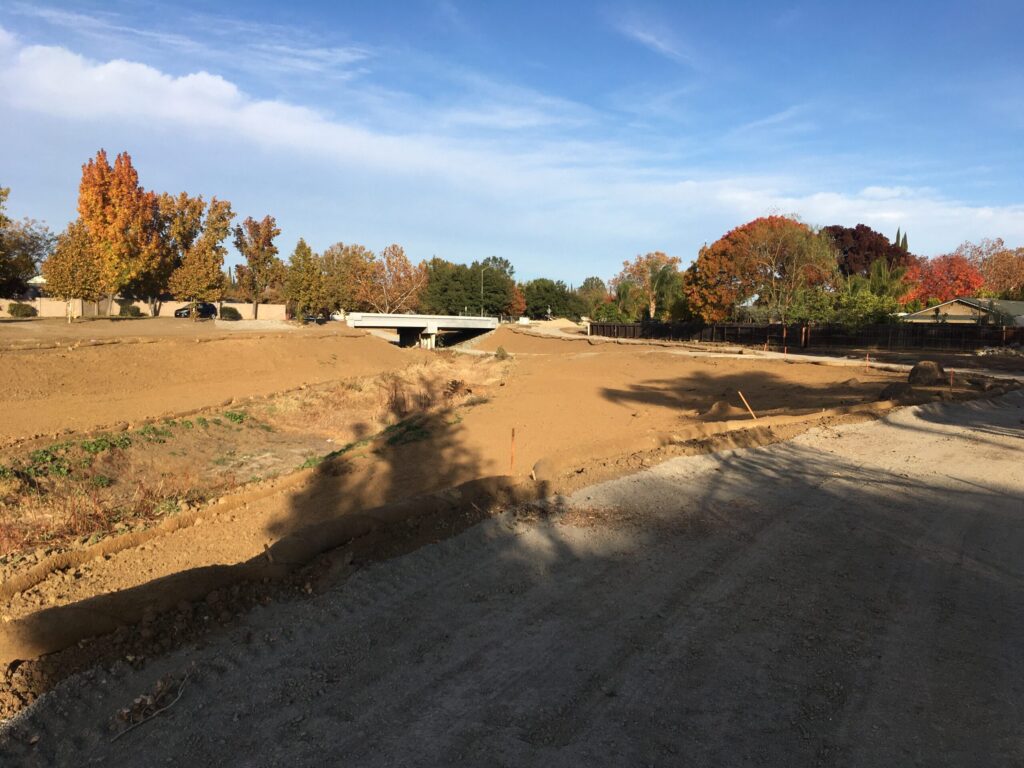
[[230, 313], [236, 417], [21, 310], [130, 310], [501, 354]]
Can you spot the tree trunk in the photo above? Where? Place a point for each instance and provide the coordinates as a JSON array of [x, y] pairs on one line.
[[110, 303], [255, 309]]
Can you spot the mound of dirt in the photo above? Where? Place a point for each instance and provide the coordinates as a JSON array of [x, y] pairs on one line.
[[899, 391], [525, 343], [723, 410], [926, 373]]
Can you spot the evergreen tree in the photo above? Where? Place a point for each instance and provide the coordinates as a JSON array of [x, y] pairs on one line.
[[304, 282]]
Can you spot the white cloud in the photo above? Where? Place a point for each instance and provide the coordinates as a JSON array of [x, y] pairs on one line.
[[494, 186], [7, 41]]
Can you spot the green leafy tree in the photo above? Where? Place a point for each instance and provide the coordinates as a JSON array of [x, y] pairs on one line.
[[593, 293], [73, 270], [304, 284], [200, 277], [341, 265], [24, 245], [655, 276], [255, 241], [180, 223], [544, 296], [447, 290], [491, 287]]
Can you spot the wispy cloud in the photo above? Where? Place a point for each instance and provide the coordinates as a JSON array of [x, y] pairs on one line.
[[258, 47], [791, 120], [655, 41], [539, 190], [656, 37]]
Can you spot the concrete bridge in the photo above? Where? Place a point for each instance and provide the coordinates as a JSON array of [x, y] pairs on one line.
[[422, 330]]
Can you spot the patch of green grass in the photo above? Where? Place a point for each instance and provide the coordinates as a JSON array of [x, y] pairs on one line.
[[154, 434], [235, 417], [102, 481], [187, 424], [406, 431], [105, 443], [202, 422], [47, 462]]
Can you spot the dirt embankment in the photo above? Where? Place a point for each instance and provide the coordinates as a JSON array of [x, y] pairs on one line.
[[84, 387], [415, 423], [849, 598]]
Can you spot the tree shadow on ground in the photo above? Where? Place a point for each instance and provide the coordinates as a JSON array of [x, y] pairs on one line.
[[782, 606], [764, 390]]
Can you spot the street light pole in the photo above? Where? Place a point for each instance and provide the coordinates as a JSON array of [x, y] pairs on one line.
[[482, 268]]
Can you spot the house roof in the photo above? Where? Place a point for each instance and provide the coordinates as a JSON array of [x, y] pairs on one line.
[[996, 306]]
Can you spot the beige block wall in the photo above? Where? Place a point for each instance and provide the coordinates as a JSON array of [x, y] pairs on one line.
[[48, 307]]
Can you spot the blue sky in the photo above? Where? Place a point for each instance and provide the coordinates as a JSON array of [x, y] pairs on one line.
[[564, 136]]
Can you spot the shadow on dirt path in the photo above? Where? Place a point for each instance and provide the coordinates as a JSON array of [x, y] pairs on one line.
[[834, 600]]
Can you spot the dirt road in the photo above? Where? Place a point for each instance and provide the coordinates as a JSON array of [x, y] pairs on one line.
[[851, 597]]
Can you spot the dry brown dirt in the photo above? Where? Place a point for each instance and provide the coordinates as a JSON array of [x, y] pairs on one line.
[[393, 425]]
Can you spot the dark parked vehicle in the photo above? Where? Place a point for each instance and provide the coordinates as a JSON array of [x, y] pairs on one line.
[[204, 309], [311, 317]]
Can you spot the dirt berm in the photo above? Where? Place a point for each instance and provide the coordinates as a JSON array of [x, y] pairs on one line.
[[361, 534]]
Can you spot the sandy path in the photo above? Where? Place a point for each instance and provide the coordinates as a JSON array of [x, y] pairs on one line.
[[851, 597]]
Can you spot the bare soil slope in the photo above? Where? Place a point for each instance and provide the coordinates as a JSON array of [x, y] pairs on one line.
[[852, 597], [81, 385]]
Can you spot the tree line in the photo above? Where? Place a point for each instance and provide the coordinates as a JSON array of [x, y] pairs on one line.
[[135, 243], [780, 269]]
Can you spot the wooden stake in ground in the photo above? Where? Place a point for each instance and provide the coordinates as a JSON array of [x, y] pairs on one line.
[[867, 361], [748, 405], [512, 454]]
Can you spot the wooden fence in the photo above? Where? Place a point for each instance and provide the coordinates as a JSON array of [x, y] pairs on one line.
[[940, 336]]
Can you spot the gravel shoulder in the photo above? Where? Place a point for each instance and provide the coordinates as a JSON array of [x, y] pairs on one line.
[[849, 597]]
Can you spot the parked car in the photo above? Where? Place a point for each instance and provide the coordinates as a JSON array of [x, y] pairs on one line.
[[311, 317], [204, 309]]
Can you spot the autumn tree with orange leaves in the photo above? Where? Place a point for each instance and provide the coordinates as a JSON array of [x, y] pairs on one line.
[[772, 259], [255, 241], [389, 283], [122, 221], [1002, 268], [942, 278]]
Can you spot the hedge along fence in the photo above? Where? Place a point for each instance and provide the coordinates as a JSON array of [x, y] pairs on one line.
[[940, 336]]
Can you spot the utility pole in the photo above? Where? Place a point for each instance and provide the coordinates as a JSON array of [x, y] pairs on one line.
[[482, 268]]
